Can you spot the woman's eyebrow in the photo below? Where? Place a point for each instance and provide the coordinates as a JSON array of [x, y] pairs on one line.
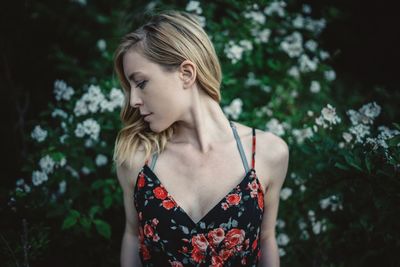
[[132, 75]]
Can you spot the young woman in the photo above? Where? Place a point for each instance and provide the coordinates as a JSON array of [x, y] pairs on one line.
[[192, 195]]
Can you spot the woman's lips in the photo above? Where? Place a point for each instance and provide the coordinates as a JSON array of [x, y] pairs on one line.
[[146, 116]]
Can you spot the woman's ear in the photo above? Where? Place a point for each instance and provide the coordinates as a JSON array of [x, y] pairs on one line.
[[188, 73]]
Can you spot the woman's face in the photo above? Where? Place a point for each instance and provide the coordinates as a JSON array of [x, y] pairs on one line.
[[152, 90]]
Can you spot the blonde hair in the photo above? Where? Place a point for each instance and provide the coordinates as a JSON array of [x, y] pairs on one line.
[[168, 38]]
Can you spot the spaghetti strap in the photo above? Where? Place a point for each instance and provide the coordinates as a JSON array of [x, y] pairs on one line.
[[253, 151]]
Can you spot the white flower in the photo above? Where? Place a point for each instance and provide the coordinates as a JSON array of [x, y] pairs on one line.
[[324, 55], [47, 164], [282, 252], [328, 117], [310, 113], [280, 223], [202, 21], [39, 177], [251, 80], [275, 127], [267, 89], [101, 44], [365, 115], [89, 102], [294, 72], [63, 138], [293, 44], [285, 193], [347, 137], [315, 26], [59, 113], [276, 7], [311, 215], [330, 75], [19, 182], [306, 64], [306, 9], [256, 16], [101, 160], [62, 186], [261, 36], [89, 127], [194, 6], [298, 22], [234, 109], [360, 131], [62, 91], [39, 134], [315, 87], [331, 201], [246, 44], [233, 51], [302, 134], [311, 45], [85, 170], [282, 239]]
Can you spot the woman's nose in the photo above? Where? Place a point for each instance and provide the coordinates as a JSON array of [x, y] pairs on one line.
[[135, 100]]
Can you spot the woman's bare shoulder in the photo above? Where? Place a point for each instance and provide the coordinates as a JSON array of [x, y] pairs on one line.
[[128, 171]]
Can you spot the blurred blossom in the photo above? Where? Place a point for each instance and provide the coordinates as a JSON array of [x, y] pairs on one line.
[[298, 22], [81, 2], [233, 51], [315, 87], [285, 193], [384, 134], [47, 164], [39, 134], [234, 109], [261, 36], [59, 113], [318, 227], [194, 6], [256, 16], [306, 64], [302, 134], [294, 71], [328, 117], [323, 55], [62, 91], [311, 45], [246, 44], [280, 223], [38, 177], [282, 239], [101, 45], [347, 137], [251, 80], [332, 202], [293, 44], [85, 170], [276, 7], [365, 115], [360, 131], [330, 75], [306, 9], [88, 127], [274, 126], [62, 186], [101, 160], [89, 102], [282, 252], [310, 113]]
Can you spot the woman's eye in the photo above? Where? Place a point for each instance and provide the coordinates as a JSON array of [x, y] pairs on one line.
[[141, 85]]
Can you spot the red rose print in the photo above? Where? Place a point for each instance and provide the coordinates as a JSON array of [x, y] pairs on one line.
[[160, 192], [148, 230], [168, 204], [145, 252], [216, 261], [234, 237], [244, 262], [233, 199], [176, 264], [199, 242], [141, 234], [254, 245], [260, 200], [253, 185], [141, 180], [155, 221], [216, 236], [197, 255], [225, 254], [224, 205], [246, 243], [156, 238], [253, 194]]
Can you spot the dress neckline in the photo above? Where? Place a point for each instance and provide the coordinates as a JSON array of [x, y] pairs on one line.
[[212, 210]]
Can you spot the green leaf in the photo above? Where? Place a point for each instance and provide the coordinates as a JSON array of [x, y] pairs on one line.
[[103, 228], [368, 164], [341, 166], [107, 201], [85, 222], [71, 219], [93, 210], [353, 162]]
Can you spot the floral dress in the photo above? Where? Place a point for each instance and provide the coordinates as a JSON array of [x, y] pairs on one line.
[[228, 235]]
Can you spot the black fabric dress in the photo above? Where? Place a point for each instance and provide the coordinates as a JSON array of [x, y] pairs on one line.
[[228, 235]]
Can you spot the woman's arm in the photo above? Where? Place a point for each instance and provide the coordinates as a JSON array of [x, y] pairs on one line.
[[130, 241], [277, 160]]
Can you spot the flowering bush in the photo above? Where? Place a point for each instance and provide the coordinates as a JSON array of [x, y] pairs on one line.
[[340, 193]]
